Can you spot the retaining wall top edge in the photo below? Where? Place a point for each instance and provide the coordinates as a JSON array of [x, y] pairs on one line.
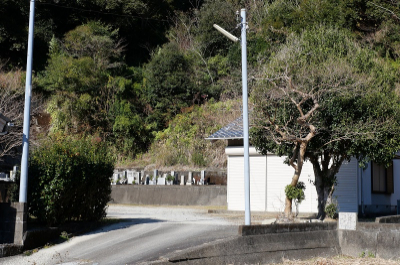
[[245, 230]]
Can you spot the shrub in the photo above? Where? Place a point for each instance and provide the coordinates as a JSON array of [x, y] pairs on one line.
[[170, 178], [69, 179], [296, 193], [331, 210]]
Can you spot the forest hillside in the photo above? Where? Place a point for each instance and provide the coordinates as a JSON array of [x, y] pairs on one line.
[[153, 78]]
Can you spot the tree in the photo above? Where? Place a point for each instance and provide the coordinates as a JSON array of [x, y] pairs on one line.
[[168, 86], [12, 106], [325, 99], [79, 76]]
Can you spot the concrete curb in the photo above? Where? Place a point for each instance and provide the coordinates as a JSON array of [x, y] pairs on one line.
[[7, 250]]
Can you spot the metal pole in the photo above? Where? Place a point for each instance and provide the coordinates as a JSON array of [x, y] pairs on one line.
[[245, 121], [28, 91]]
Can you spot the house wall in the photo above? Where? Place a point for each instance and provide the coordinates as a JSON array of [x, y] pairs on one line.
[[269, 177], [235, 169], [379, 203], [278, 176], [346, 190]]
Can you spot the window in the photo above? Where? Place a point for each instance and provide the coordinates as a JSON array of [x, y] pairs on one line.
[[382, 178]]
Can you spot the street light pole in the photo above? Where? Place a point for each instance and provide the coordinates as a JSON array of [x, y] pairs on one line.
[[243, 40], [245, 120], [27, 110]]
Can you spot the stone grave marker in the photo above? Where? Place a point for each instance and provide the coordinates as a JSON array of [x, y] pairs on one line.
[[182, 180], [202, 177], [115, 178], [347, 221], [189, 179], [136, 177], [130, 177], [161, 180]]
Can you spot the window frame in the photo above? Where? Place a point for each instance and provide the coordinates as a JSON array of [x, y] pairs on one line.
[[388, 177]]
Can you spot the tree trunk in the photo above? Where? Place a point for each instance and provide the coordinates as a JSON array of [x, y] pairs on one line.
[[325, 180], [288, 208], [298, 168], [321, 193]]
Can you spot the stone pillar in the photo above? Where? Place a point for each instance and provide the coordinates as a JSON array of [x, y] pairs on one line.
[[21, 216], [182, 180], [155, 174], [348, 221], [189, 180], [202, 177]]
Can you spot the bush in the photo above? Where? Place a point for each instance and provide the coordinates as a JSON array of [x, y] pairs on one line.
[[297, 192], [69, 179], [331, 210]]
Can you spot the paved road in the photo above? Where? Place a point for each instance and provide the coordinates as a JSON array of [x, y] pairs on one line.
[[147, 234]]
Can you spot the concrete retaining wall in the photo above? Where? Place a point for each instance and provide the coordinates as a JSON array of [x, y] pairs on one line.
[[266, 244], [169, 195], [378, 239]]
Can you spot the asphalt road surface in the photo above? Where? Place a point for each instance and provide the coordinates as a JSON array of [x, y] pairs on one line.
[[147, 234]]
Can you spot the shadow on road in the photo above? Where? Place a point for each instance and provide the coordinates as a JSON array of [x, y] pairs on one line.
[[124, 223]]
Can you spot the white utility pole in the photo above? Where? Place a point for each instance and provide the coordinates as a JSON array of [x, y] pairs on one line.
[[243, 25], [247, 220], [27, 110]]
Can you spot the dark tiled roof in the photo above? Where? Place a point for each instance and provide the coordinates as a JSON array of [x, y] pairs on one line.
[[233, 130]]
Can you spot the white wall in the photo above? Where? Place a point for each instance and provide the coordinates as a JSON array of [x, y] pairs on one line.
[[280, 175], [235, 191], [268, 178]]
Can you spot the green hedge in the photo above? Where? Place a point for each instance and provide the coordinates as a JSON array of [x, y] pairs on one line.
[[69, 179]]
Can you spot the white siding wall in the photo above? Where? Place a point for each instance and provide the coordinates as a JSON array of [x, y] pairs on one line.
[[347, 189], [236, 183], [280, 175], [269, 176]]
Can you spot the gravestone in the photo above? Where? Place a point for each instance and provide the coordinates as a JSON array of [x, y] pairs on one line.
[[174, 175], [136, 177], [13, 175], [123, 178], [147, 182], [202, 177], [142, 178], [115, 178], [182, 180], [189, 179], [161, 180], [347, 221], [130, 177]]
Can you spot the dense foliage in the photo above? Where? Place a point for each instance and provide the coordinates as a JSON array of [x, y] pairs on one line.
[[325, 99], [69, 179], [183, 142]]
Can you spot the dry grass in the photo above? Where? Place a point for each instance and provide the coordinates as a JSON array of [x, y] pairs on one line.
[[340, 260]]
